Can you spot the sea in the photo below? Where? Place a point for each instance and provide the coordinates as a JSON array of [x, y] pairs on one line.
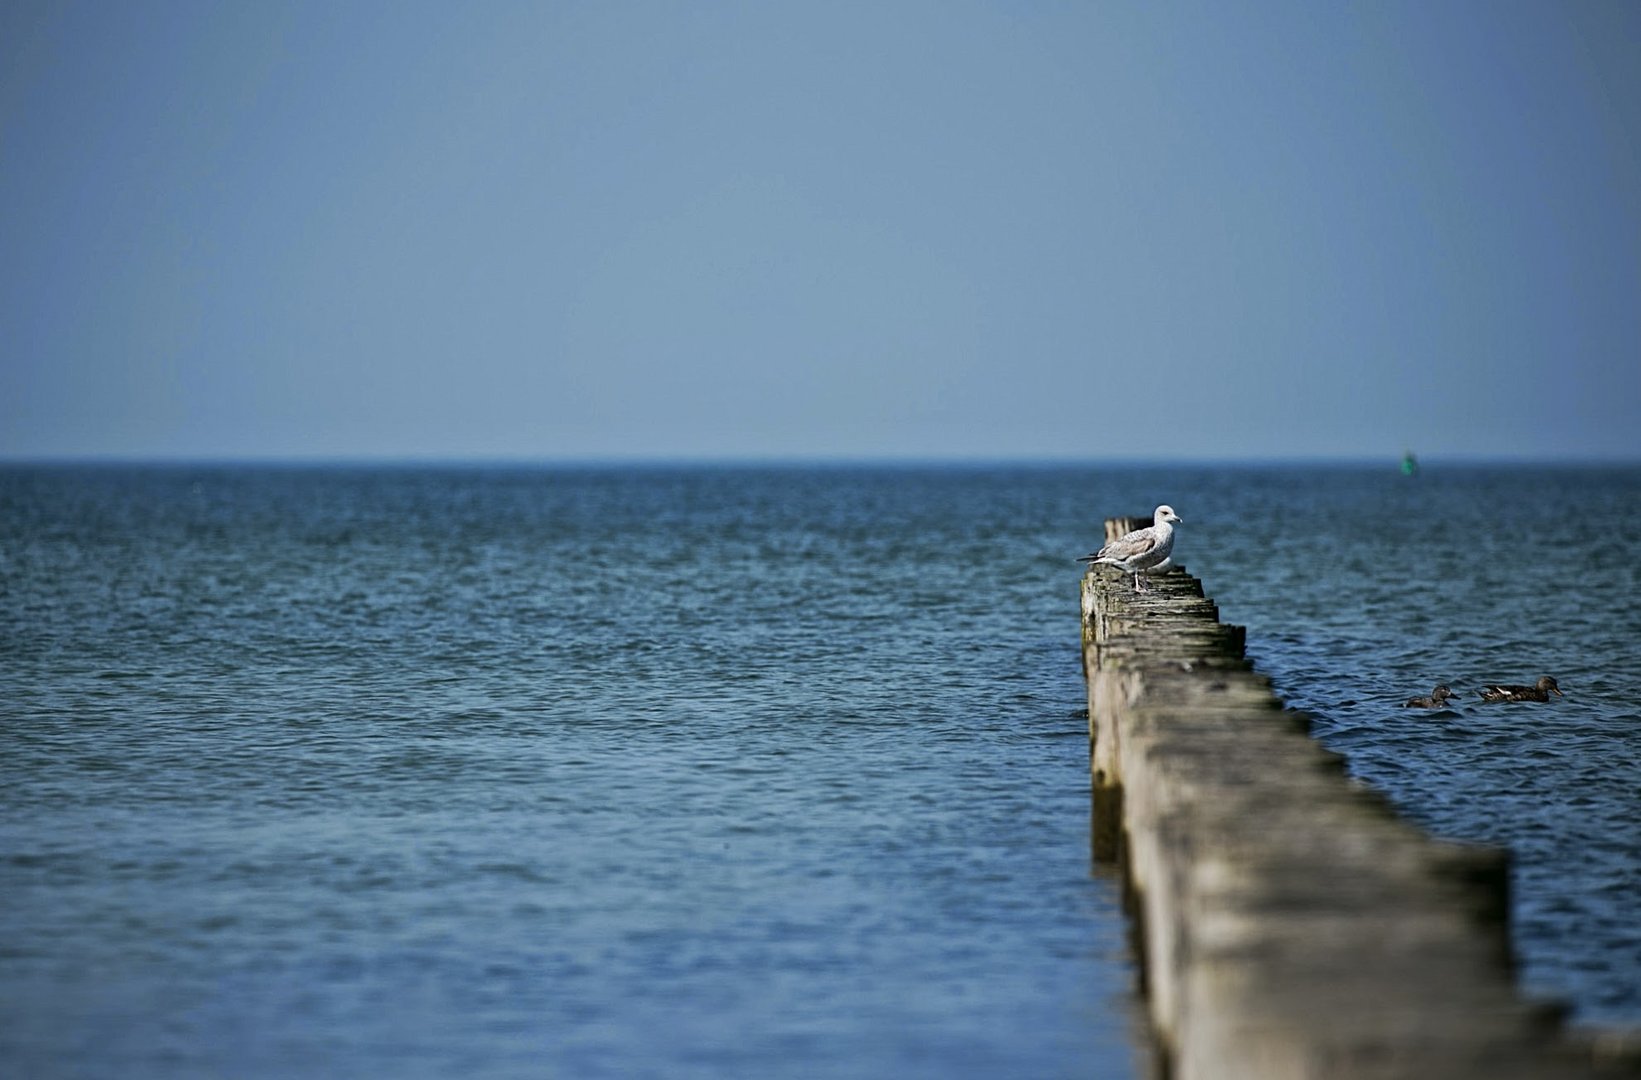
[[726, 770]]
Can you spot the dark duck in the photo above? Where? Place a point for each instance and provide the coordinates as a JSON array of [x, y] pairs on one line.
[[1437, 700], [1539, 691]]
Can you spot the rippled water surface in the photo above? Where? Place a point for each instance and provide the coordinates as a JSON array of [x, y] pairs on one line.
[[596, 773], [723, 772]]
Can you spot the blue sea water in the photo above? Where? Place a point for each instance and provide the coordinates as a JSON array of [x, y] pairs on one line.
[[549, 772], [723, 771]]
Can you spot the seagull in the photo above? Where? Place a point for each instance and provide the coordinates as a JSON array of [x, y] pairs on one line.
[[1143, 550], [1437, 700], [1540, 691]]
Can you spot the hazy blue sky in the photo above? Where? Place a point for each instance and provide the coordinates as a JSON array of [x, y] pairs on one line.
[[885, 229]]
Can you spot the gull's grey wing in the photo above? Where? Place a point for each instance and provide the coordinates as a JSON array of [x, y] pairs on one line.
[[1131, 546]]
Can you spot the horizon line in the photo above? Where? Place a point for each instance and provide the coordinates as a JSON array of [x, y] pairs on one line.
[[612, 461]]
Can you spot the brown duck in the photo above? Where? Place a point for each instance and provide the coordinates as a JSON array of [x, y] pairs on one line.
[[1540, 691], [1437, 700]]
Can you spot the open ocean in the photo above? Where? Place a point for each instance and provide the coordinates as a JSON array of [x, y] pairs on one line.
[[721, 771]]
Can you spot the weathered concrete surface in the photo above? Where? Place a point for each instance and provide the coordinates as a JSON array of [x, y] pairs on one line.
[[1292, 925]]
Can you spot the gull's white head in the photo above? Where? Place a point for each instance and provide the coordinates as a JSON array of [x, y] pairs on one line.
[[1166, 513]]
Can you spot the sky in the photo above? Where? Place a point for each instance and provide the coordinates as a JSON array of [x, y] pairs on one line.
[[774, 230]]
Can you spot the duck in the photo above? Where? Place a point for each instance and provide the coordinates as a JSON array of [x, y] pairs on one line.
[[1437, 699], [1142, 551], [1539, 691]]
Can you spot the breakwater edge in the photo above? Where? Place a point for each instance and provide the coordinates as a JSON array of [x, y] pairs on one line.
[[1291, 922]]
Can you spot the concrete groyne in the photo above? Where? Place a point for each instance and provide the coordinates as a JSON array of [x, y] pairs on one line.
[[1291, 924]]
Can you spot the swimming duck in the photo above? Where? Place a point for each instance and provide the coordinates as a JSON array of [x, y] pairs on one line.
[[1143, 550], [1540, 691], [1437, 699]]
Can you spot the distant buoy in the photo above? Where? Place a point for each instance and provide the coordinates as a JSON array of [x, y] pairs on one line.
[[1410, 464]]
